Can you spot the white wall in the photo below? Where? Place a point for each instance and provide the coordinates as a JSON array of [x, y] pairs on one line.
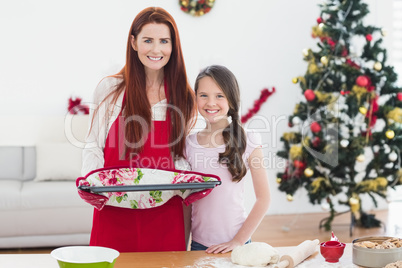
[[51, 50]]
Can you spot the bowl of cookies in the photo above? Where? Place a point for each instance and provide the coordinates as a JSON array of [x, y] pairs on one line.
[[376, 251]]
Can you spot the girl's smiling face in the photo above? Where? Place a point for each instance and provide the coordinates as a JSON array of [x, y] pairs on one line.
[[211, 101]]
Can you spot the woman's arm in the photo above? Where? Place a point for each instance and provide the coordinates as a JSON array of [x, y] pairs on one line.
[[261, 190]]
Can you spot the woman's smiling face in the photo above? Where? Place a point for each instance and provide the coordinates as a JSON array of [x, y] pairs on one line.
[[153, 45]]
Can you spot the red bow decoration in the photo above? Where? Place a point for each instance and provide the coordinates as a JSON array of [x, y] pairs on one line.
[[265, 93], [75, 106]]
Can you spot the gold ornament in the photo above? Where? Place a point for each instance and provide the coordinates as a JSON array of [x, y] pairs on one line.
[[308, 172], [305, 52], [295, 152], [289, 197], [360, 158], [377, 66], [395, 115], [312, 68], [295, 80], [184, 3], [390, 134], [324, 60], [363, 110], [384, 32], [278, 180]]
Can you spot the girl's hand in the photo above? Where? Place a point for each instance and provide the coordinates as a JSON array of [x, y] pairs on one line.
[[224, 247]]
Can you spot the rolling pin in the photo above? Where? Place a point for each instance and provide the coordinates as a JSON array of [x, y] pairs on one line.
[[300, 253]]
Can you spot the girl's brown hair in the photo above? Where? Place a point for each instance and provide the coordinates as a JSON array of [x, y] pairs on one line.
[[234, 135], [179, 93]]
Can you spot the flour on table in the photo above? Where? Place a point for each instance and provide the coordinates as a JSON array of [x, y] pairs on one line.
[[216, 262]]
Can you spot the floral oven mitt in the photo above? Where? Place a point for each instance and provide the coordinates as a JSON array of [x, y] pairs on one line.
[[124, 176]]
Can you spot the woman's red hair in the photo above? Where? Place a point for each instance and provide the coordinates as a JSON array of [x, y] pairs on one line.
[[179, 93]]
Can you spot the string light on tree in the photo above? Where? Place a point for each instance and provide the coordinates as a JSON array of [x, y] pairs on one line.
[[344, 143], [308, 172], [360, 158]]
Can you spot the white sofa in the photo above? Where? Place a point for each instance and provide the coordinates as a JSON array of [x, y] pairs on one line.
[[40, 158]]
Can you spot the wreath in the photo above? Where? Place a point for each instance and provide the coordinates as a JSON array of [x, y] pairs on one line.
[[196, 8]]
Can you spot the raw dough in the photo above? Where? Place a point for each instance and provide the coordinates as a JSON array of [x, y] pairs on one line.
[[255, 254]]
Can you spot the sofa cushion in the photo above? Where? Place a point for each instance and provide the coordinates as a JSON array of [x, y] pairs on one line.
[[10, 195], [17, 162], [58, 161]]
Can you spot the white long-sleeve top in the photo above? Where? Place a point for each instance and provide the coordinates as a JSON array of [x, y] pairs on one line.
[[102, 120]]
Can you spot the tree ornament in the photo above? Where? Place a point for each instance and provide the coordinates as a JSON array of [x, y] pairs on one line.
[[296, 120], [384, 32], [299, 164], [309, 95], [295, 80], [315, 127], [363, 110], [305, 52], [360, 158], [319, 20], [369, 37], [399, 96], [392, 156], [289, 197], [377, 66], [353, 201], [278, 180], [362, 81], [344, 143], [324, 60], [325, 206], [316, 141], [308, 172], [390, 134]]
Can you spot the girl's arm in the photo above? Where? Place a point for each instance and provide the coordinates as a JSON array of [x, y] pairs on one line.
[[261, 190]]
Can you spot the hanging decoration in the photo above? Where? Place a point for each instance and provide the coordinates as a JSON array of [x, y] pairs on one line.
[[75, 106], [196, 8], [265, 94]]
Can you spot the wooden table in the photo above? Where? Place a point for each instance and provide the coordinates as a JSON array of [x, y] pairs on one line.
[[183, 259]]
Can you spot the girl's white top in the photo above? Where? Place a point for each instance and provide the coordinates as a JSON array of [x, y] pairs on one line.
[[217, 217]]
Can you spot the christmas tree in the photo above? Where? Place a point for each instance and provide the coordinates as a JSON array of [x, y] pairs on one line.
[[352, 108]]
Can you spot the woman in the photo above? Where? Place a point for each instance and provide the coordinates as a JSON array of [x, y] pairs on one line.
[[143, 116]]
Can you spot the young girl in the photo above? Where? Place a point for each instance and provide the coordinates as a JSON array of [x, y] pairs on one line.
[[219, 221]]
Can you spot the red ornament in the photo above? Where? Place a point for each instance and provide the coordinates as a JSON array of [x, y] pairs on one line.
[[399, 96], [315, 127], [299, 164], [309, 95], [362, 81], [369, 37], [316, 141], [319, 20]]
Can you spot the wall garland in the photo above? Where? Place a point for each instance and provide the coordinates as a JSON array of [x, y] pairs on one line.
[[196, 8]]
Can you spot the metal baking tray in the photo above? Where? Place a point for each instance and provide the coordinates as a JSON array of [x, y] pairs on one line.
[[151, 187], [375, 257]]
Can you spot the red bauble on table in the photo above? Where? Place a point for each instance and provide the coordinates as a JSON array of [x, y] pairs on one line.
[[315, 127], [309, 95], [399, 96], [362, 81]]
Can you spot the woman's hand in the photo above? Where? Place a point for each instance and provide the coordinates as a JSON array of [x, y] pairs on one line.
[[224, 247]]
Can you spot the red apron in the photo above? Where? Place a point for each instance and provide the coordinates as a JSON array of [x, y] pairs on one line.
[[140, 230]]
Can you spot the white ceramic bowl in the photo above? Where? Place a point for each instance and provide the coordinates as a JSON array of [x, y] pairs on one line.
[[85, 256]]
